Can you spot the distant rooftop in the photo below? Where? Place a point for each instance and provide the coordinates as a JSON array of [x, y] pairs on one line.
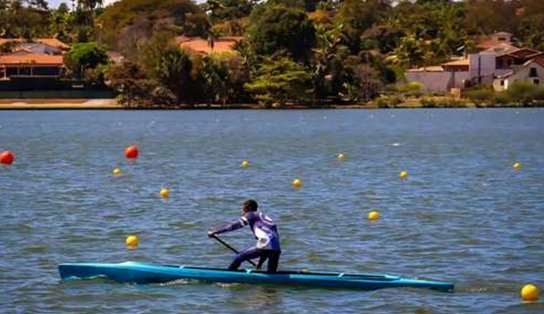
[[487, 42], [53, 42], [32, 59]]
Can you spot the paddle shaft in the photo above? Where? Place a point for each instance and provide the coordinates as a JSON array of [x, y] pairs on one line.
[[231, 248]]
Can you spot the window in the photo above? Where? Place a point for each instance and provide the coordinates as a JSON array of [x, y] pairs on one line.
[[532, 72], [502, 82], [537, 82]]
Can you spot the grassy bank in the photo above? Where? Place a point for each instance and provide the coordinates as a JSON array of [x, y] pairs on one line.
[[384, 102]]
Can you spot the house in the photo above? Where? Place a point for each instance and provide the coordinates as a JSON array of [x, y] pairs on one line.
[[40, 59], [532, 71], [31, 66], [40, 45], [476, 69], [495, 39], [500, 60], [208, 46]]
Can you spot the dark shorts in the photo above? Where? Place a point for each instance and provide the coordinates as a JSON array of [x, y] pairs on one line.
[[273, 257]]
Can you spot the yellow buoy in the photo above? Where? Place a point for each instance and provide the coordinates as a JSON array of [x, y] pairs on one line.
[[132, 242], [245, 163], [165, 193], [116, 172], [529, 292], [297, 183], [373, 215], [517, 166], [403, 175], [341, 156]]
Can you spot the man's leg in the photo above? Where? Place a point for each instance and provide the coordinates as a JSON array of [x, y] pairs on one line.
[[273, 261], [245, 255], [262, 259]]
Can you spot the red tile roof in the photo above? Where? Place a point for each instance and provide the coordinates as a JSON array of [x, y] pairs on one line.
[[34, 59], [538, 58], [53, 42], [524, 52], [502, 48], [486, 42]]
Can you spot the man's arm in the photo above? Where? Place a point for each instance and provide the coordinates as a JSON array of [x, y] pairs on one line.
[[240, 223]]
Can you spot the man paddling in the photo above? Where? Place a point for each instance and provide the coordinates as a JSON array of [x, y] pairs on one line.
[[266, 232]]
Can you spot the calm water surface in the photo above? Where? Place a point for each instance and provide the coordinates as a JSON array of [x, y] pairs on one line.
[[464, 214]]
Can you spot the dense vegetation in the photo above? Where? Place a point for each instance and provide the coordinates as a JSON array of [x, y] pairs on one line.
[[306, 51]]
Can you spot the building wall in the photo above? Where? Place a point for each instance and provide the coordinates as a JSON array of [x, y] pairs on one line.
[[438, 82], [481, 65], [522, 75]]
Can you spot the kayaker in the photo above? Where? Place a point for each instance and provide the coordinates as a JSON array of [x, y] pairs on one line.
[[266, 232]]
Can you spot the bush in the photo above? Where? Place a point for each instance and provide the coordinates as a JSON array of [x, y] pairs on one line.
[[387, 101], [524, 93], [481, 97], [441, 102], [411, 89], [428, 102], [501, 98]]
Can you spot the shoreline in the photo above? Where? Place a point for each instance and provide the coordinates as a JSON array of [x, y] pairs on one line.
[[111, 104], [72, 104]]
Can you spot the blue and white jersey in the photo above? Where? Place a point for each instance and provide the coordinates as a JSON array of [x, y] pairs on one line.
[[261, 225]]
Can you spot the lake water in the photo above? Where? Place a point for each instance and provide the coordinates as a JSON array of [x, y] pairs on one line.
[[464, 214]]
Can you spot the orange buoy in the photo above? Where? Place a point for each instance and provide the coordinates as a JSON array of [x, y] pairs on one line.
[[132, 152], [7, 157]]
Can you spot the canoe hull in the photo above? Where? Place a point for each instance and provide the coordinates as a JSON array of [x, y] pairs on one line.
[[151, 273]]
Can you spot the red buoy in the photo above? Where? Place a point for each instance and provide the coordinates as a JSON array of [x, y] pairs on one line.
[[7, 157], [132, 152]]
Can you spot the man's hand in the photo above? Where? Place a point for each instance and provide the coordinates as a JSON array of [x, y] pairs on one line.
[[211, 233]]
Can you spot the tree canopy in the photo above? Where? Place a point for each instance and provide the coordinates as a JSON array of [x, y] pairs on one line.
[[310, 50]]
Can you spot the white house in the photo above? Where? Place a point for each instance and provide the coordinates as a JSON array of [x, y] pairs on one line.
[[531, 71], [500, 61]]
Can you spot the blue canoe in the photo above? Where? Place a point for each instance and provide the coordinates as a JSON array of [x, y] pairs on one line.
[[151, 273]]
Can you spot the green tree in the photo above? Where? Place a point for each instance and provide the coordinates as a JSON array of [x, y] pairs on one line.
[[329, 74], [276, 28], [132, 84], [150, 52], [531, 31], [61, 23], [84, 56], [26, 21], [409, 53], [215, 78], [173, 71], [357, 16], [228, 10], [177, 16], [277, 81]]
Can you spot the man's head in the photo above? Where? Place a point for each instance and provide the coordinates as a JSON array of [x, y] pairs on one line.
[[250, 206]]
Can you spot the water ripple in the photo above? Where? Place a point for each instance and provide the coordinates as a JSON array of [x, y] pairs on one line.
[[463, 215]]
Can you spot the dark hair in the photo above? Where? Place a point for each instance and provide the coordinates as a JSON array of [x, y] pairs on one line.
[[251, 205]]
